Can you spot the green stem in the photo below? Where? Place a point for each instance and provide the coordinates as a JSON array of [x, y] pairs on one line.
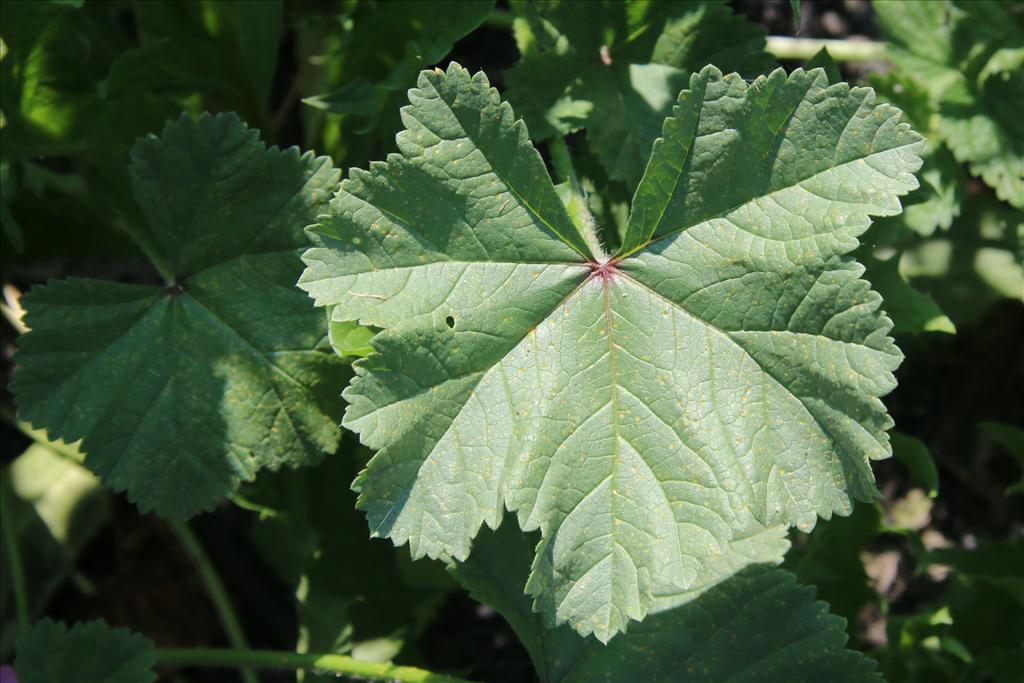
[[14, 560], [215, 589], [324, 663], [577, 207], [784, 47]]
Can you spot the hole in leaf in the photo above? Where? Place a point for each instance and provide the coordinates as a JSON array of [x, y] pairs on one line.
[[450, 322]]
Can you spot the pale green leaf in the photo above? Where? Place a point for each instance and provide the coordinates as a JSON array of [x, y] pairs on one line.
[[181, 391], [935, 204], [717, 380], [717, 634], [56, 508], [973, 265], [349, 338], [89, 652]]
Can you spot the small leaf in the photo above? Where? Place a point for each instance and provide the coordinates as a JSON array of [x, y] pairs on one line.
[[915, 455], [348, 338], [717, 380], [1012, 439], [912, 311], [56, 509], [89, 652], [716, 633], [795, 6], [181, 391], [822, 59]]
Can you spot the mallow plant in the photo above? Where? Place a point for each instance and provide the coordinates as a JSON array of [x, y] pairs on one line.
[[602, 377]]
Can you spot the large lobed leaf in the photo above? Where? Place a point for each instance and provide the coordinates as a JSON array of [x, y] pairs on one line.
[[181, 391], [684, 401], [717, 638]]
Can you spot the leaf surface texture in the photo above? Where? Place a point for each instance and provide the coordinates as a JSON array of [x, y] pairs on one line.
[[181, 391], [715, 381]]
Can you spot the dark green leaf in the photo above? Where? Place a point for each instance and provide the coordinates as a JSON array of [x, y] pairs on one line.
[[1012, 439], [823, 60], [915, 455], [758, 625], [89, 652], [181, 391], [356, 595], [616, 68], [911, 311]]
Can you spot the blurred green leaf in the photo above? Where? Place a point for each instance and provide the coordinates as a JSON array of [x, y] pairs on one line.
[[1012, 439], [436, 26], [822, 59], [89, 652], [56, 508], [971, 266], [72, 85], [968, 57], [617, 68], [915, 455], [229, 46], [975, 631], [355, 595], [911, 310]]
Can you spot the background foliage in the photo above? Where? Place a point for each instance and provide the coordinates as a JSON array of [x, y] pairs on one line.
[[930, 579]]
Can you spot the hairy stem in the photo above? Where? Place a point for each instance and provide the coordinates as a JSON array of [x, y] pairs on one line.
[[323, 663], [577, 205], [14, 561], [784, 47], [215, 589]]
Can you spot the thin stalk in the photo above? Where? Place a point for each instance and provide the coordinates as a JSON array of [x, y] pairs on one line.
[[215, 589], [14, 561], [577, 207], [322, 663], [784, 47]]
